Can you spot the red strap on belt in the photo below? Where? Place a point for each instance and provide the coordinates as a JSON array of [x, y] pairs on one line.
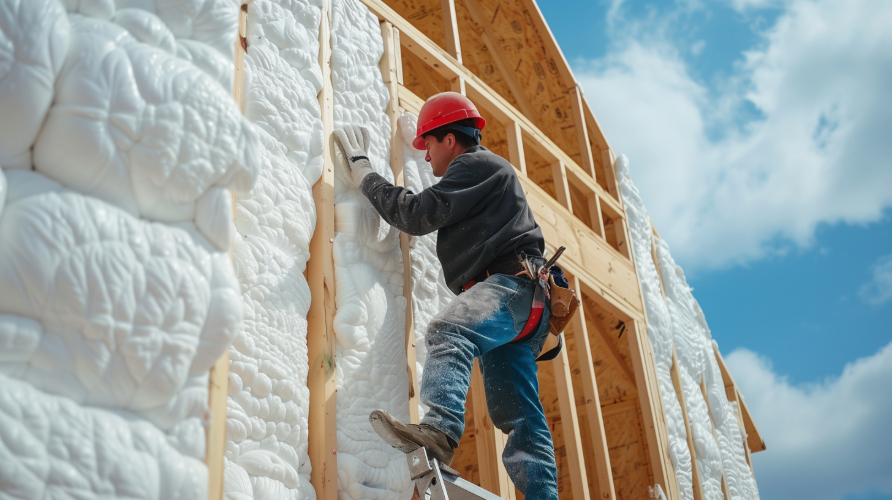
[[532, 321]]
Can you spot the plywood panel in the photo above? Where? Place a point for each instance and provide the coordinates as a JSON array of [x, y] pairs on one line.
[[523, 49]]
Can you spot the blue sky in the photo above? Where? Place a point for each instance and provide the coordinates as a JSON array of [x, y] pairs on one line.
[[760, 135]]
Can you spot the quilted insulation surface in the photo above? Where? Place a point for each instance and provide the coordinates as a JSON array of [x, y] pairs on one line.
[[119, 147], [677, 323], [370, 320], [266, 449]]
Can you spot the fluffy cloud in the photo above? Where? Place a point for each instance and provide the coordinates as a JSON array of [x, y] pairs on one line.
[[825, 441], [796, 137], [878, 290]]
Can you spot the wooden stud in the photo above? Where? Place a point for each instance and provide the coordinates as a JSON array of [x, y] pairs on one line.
[[608, 158], [570, 422], [323, 424], [585, 147], [515, 148], [409, 101], [561, 187], [450, 26], [594, 211], [390, 65], [652, 412], [679, 393], [216, 432], [592, 401], [490, 442], [218, 379], [753, 437]]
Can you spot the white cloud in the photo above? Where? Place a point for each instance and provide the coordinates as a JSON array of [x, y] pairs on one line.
[[825, 441], [879, 289], [818, 152]]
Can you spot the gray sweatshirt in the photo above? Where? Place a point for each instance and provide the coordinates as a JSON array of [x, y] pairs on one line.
[[478, 209]]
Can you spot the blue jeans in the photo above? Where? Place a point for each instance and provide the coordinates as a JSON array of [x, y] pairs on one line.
[[482, 322]]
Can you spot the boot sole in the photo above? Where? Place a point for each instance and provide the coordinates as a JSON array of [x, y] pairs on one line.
[[385, 430]]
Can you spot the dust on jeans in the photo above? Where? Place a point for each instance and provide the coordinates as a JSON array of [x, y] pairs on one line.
[[475, 305]]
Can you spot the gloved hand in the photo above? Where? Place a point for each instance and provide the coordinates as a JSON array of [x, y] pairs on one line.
[[353, 145]]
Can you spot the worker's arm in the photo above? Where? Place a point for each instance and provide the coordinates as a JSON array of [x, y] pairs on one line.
[[442, 204]]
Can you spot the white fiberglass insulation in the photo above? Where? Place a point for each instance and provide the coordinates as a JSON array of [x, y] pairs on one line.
[[370, 321], [429, 291], [119, 146], [266, 448], [678, 322]]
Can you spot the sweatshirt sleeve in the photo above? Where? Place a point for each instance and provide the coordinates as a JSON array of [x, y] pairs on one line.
[[440, 205]]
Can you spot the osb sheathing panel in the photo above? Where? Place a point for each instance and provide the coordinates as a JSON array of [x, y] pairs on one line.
[[628, 457], [494, 135], [580, 205], [523, 49], [426, 15], [582, 405]]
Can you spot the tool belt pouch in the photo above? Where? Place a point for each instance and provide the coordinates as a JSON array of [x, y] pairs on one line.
[[564, 305]]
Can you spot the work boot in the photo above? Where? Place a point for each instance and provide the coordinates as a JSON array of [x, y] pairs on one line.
[[408, 437]]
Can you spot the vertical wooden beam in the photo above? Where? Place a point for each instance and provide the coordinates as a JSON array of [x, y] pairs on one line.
[[323, 424], [652, 413], [218, 379], [585, 147], [490, 443], [216, 432], [593, 415], [679, 393], [608, 159], [570, 422], [453, 43], [390, 65], [594, 211], [561, 186], [515, 147]]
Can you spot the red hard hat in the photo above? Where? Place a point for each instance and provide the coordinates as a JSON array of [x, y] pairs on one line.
[[442, 109]]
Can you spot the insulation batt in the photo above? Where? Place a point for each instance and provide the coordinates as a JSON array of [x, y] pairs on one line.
[[267, 434], [429, 291], [370, 321], [659, 326], [678, 323], [723, 450], [146, 131], [115, 251]]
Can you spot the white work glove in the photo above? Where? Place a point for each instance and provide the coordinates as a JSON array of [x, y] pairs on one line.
[[353, 145]]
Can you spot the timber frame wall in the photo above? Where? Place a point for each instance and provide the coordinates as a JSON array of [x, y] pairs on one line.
[[600, 395]]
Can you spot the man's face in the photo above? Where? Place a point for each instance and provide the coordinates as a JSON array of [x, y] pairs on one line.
[[440, 154]]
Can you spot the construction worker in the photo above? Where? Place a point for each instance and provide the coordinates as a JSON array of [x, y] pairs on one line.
[[485, 232]]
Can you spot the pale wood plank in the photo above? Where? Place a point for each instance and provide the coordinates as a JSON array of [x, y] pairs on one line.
[[570, 423], [323, 425], [389, 69], [594, 418], [652, 412], [585, 147], [218, 379], [216, 432], [561, 186], [515, 148]]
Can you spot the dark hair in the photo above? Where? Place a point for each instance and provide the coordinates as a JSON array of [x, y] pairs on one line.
[[463, 139]]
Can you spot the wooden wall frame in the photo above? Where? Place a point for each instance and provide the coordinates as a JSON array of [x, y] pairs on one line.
[[602, 376]]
